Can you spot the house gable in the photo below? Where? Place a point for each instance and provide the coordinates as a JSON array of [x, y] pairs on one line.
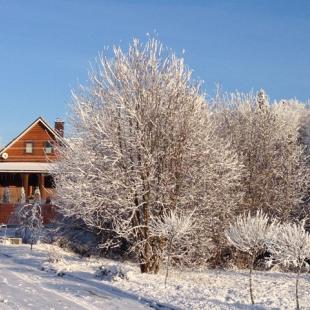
[[37, 135]]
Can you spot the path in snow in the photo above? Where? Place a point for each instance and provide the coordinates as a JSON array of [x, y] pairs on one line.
[[23, 287]]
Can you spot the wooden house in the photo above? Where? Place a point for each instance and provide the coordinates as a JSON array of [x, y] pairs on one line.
[[24, 165]]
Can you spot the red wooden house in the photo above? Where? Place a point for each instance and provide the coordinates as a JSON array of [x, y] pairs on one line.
[[25, 163]]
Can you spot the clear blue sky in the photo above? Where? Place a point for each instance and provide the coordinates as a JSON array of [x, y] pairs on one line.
[[46, 47]]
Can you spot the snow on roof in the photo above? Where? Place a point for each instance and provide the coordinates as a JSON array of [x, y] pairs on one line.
[[25, 167]]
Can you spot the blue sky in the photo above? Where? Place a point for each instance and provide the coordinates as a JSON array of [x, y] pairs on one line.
[[46, 47]]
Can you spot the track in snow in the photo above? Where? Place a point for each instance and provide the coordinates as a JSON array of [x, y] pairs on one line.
[[23, 287]]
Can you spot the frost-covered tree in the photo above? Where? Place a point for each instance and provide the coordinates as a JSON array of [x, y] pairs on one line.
[[267, 140], [143, 144], [249, 234], [30, 218], [171, 227], [304, 132], [290, 246]]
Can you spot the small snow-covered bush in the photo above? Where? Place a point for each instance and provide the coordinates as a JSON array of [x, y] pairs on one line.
[[54, 256], [51, 268], [55, 261], [31, 221], [172, 227], [290, 246], [249, 234], [112, 273]]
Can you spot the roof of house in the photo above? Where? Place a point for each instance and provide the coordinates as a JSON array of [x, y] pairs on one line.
[[38, 120], [19, 167]]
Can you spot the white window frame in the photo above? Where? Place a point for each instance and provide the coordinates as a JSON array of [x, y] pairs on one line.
[[29, 147]]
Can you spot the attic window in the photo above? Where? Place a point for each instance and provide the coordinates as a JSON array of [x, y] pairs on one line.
[[29, 147], [48, 147]]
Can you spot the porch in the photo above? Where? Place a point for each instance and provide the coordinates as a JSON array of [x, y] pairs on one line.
[[18, 183]]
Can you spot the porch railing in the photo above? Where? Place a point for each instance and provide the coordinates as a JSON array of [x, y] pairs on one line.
[[49, 213]]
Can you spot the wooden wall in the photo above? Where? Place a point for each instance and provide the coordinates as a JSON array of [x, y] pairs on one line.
[[49, 212], [38, 135]]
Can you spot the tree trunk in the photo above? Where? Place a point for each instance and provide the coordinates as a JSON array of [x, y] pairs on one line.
[[168, 261], [150, 256], [251, 285], [297, 284]]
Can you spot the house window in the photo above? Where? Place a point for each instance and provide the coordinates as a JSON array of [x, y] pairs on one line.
[[29, 147], [48, 147]]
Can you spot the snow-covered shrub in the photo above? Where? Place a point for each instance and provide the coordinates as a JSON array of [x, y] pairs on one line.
[[290, 246], [55, 261], [3, 300], [54, 256], [172, 227], [72, 234], [31, 221], [52, 268], [112, 273], [249, 234]]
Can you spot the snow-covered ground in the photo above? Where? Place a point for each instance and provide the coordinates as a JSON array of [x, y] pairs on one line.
[[24, 286], [71, 283]]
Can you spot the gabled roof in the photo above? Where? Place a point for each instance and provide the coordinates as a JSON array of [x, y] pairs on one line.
[[38, 120]]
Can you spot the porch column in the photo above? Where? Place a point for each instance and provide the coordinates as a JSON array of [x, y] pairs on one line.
[[25, 184], [41, 186]]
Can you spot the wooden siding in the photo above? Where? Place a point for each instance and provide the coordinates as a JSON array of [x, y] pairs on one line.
[[49, 213], [38, 135]]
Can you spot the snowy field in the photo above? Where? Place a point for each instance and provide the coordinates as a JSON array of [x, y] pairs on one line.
[[36, 280]]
